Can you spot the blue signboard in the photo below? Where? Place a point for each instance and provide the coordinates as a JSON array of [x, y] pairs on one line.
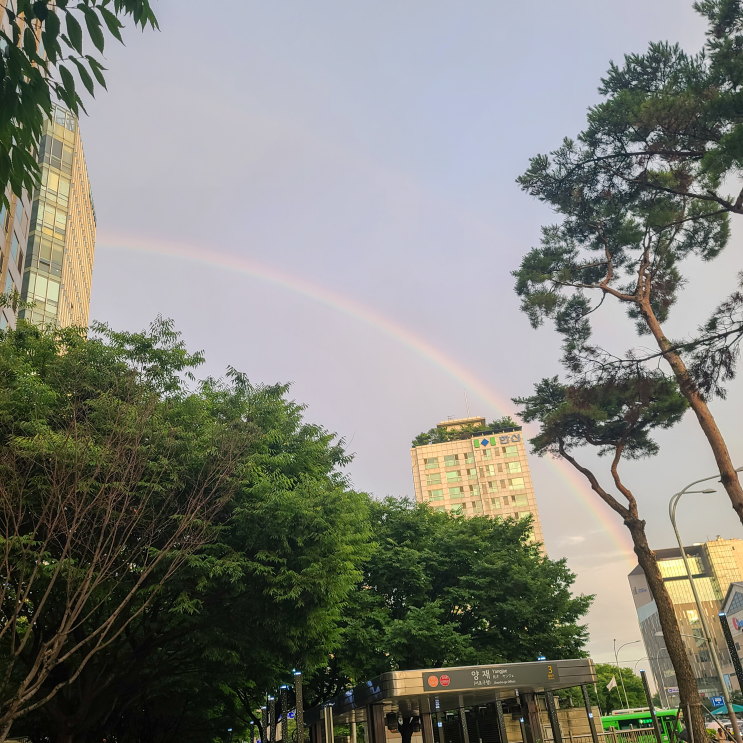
[[717, 701]]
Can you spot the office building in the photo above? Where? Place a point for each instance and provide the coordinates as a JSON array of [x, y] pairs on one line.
[[714, 565], [58, 265], [474, 471], [14, 222]]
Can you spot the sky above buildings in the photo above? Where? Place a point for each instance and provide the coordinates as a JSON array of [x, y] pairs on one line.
[[323, 193]]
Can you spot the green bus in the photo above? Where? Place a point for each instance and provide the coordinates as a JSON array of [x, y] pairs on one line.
[[641, 720]]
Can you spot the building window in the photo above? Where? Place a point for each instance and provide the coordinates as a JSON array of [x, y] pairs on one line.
[[456, 492], [736, 603], [514, 466], [14, 245], [469, 457], [492, 487], [521, 500], [457, 509], [9, 285], [434, 479], [431, 463], [510, 451], [505, 501], [455, 476], [487, 454], [440, 508], [451, 460], [476, 506], [517, 483], [474, 490], [488, 470], [436, 495], [472, 474], [495, 502]]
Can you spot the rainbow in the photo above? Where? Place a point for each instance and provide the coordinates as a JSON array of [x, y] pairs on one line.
[[360, 312]]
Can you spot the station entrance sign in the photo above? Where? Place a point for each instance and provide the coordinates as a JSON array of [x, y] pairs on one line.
[[516, 675]]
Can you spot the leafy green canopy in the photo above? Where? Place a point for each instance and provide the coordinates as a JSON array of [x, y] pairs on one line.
[[45, 49], [617, 417], [441, 435], [261, 595], [643, 188], [442, 591]]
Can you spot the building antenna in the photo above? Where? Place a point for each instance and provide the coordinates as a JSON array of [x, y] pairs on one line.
[[466, 402]]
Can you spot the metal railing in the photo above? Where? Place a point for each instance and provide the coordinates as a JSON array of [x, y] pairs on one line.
[[643, 735]]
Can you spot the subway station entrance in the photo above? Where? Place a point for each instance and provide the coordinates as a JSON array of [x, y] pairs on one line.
[[501, 703]]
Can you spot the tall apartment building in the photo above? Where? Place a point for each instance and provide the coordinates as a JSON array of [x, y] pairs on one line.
[[58, 267], [480, 472], [715, 565]]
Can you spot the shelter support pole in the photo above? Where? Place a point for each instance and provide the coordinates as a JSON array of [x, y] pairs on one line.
[[375, 727], [272, 716], [649, 697], [426, 727], [440, 717], [299, 714], [284, 698], [353, 731], [329, 731], [589, 712], [501, 722], [549, 698], [463, 721], [530, 713]]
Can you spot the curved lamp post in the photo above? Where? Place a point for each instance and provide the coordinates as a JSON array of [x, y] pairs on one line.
[[619, 670], [707, 636]]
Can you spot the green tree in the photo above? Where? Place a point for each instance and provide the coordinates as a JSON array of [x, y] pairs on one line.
[[641, 191], [441, 591], [47, 51], [255, 591], [438, 435], [608, 699], [617, 418]]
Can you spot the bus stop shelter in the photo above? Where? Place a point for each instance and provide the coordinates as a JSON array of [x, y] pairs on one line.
[[429, 694]]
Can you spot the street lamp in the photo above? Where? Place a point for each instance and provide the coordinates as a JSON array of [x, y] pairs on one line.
[[660, 675], [619, 671], [707, 636]]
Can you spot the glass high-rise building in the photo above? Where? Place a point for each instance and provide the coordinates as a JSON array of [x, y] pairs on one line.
[[482, 473], [714, 565], [58, 265]]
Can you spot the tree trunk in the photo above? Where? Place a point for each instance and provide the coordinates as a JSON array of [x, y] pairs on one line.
[[688, 691], [728, 475]]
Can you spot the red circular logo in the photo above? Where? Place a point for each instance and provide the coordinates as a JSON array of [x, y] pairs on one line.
[[445, 680], [433, 681]]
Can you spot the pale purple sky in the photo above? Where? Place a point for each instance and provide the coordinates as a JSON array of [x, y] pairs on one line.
[[370, 150]]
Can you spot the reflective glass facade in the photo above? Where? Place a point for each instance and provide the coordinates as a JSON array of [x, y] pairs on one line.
[[58, 267], [714, 566]]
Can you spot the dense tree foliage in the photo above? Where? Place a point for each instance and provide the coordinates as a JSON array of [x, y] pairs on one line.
[[441, 590], [47, 49], [642, 197], [171, 630]]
